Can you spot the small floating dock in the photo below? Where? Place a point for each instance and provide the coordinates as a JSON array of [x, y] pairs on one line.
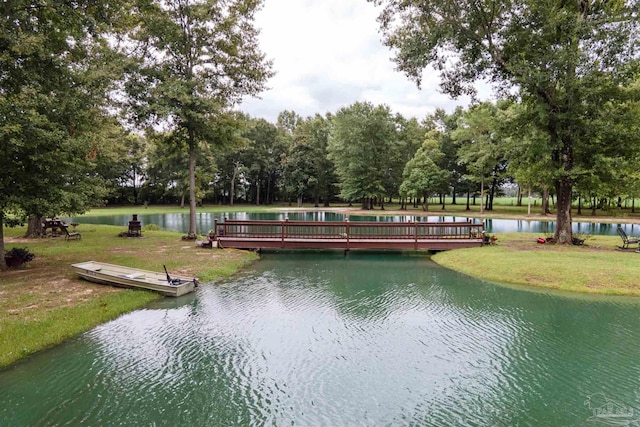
[[346, 235], [127, 277]]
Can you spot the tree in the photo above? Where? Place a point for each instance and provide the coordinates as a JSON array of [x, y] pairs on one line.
[[263, 159], [55, 74], [566, 58], [479, 149], [199, 57], [410, 135], [359, 146], [422, 175], [308, 171], [446, 124]]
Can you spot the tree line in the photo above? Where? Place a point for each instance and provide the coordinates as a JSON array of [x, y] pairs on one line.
[[368, 155]]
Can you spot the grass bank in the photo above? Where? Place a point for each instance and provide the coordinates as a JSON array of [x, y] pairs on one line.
[[596, 267], [43, 303]]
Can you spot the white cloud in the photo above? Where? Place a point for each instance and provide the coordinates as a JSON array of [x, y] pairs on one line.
[[327, 55]]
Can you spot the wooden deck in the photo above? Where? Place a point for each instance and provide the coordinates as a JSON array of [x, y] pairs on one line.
[[248, 234]]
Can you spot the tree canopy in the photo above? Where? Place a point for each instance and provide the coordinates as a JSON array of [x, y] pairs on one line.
[[55, 74], [193, 60], [564, 59]]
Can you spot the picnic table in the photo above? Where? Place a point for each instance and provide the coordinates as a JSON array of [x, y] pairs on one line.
[[53, 227], [58, 227]]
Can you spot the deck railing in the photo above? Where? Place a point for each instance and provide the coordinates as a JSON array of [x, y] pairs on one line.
[[286, 229]]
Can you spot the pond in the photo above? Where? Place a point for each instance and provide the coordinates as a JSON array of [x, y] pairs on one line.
[[317, 338], [204, 221]]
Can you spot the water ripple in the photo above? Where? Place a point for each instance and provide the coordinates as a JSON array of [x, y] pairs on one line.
[[319, 339]]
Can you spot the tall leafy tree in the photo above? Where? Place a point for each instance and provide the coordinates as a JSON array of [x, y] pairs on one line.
[[566, 58], [446, 124], [55, 72], [308, 171], [262, 159], [119, 158], [199, 57], [479, 147], [422, 175], [410, 135], [360, 147]]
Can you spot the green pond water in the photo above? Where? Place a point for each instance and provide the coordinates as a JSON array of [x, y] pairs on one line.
[[320, 339]]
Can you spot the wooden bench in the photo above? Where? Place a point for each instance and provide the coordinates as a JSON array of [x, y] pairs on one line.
[[626, 241], [70, 235]]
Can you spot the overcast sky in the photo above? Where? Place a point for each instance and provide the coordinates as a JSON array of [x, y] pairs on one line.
[[328, 54]]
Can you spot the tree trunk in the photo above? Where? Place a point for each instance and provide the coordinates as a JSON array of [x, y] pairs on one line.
[[545, 201], [529, 203], [425, 205], [268, 195], [468, 197], [182, 200], [633, 205], [300, 201], [34, 227], [482, 195], [232, 190], [453, 196], [135, 189], [494, 184], [257, 192], [579, 204], [444, 199], [192, 185], [3, 263], [564, 232], [519, 197]]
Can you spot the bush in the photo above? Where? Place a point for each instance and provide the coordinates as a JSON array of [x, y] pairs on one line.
[[18, 256], [151, 227]]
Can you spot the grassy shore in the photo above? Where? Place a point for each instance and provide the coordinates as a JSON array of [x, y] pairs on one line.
[[43, 303], [596, 267]]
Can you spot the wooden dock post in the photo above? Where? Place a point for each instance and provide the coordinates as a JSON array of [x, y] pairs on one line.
[[282, 231], [346, 220]]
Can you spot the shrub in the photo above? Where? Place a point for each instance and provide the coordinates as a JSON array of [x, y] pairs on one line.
[[18, 256], [151, 227]]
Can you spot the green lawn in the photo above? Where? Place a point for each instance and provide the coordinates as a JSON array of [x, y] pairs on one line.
[[517, 259], [44, 302]]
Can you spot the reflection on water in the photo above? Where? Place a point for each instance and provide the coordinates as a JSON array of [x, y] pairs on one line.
[[205, 221], [316, 338]]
